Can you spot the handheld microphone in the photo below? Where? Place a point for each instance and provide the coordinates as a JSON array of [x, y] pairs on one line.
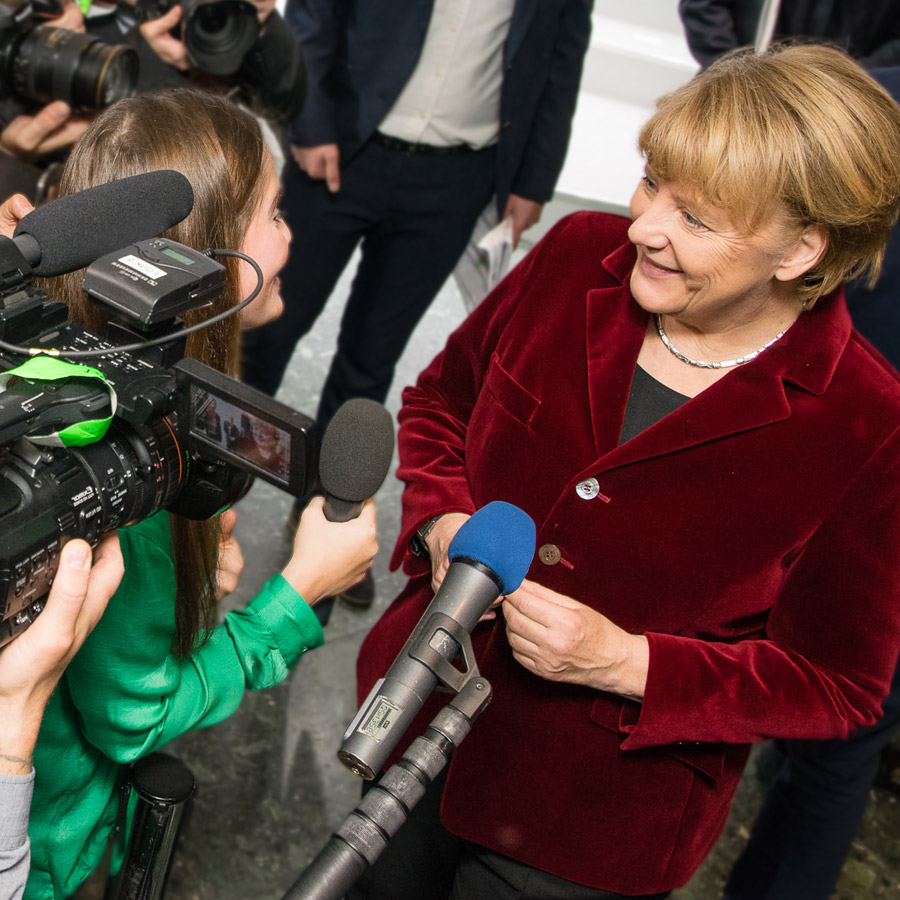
[[71, 232], [489, 556], [355, 457]]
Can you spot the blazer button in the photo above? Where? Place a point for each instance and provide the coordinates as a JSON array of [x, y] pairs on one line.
[[549, 554], [588, 489]]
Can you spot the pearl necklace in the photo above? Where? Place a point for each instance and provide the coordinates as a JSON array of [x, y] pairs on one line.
[[703, 364]]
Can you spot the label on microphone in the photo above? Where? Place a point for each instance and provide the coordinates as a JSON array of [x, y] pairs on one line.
[[380, 722]]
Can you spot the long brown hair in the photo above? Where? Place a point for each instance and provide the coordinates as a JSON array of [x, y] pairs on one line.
[[220, 150]]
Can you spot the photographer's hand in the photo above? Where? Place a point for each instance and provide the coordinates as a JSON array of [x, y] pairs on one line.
[[72, 18], [168, 48], [328, 556], [51, 128], [31, 665], [12, 211]]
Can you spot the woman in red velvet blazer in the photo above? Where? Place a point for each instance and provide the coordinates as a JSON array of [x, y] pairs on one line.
[[712, 458]]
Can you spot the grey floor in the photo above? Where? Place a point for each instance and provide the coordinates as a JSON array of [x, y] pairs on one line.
[[270, 787]]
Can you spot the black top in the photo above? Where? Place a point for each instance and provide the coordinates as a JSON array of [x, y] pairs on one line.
[[648, 402]]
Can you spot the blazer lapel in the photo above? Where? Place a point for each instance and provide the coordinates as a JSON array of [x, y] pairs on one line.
[[521, 18], [749, 396]]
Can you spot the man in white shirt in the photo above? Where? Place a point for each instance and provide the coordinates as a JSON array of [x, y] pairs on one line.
[[418, 113]]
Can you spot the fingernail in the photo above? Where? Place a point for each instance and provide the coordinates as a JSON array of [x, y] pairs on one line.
[[77, 555]]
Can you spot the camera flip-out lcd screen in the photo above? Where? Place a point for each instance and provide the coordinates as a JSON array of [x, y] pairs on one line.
[[260, 444], [237, 424]]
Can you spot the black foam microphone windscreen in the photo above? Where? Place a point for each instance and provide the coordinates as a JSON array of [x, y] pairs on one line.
[[74, 230], [355, 457]]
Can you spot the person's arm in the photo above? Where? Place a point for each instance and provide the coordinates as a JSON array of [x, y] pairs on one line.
[[551, 124], [434, 419], [709, 28], [316, 25], [133, 695], [30, 666], [15, 855]]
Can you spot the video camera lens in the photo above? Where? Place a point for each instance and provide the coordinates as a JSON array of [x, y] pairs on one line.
[[218, 33], [88, 74]]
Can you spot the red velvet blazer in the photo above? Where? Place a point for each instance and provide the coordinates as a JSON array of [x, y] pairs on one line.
[[753, 535]]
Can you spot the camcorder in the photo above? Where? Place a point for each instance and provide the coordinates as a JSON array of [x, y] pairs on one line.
[[179, 436], [41, 64], [216, 33]]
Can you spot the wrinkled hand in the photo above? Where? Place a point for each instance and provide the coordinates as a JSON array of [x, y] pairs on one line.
[[560, 639], [525, 213], [168, 48], [320, 162], [11, 212], [231, 561], [438, 541], [31, 664], [264, 9], [328, 556], [51, 128]]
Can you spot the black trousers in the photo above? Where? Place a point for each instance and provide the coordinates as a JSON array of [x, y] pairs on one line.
[[413, 215], [423, 861]]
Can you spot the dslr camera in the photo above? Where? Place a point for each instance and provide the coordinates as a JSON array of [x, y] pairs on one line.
[[182, 437], [216, 33], [41, 64]]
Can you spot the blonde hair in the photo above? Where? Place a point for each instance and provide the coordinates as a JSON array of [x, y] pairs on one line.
[[220, 150], [801, 130]]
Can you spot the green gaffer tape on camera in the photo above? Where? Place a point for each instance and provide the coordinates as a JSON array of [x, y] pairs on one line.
[[49, 368], [84, 6]]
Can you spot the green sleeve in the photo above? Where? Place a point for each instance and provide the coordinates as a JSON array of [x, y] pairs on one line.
[[134, 696]]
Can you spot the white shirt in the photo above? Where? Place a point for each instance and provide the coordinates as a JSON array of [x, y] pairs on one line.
[[453, 94]]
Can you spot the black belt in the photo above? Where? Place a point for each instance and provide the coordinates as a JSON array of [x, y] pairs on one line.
[[392, 143]]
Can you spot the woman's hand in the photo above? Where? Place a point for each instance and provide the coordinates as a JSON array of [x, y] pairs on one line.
[[560, 639], [438, 541], [231, 560], [328, 556]]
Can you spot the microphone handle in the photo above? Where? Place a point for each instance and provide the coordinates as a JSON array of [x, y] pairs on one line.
[[338, 510], [465, 595]]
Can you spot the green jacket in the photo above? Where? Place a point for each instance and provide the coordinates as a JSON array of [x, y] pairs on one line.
[[125, 695]]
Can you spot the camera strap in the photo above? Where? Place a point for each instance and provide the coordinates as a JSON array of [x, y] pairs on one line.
[[70, 405]]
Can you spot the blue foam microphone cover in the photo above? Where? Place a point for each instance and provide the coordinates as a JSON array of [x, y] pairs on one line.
[[500, 536]]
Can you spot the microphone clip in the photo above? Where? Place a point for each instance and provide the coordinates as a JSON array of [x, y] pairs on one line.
[[439, 638]]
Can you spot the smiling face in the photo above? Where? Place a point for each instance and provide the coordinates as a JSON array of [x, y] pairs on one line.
[[267, 241], [696, 265]]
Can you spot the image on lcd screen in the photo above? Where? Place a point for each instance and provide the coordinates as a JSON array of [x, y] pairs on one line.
[[257, 441]]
